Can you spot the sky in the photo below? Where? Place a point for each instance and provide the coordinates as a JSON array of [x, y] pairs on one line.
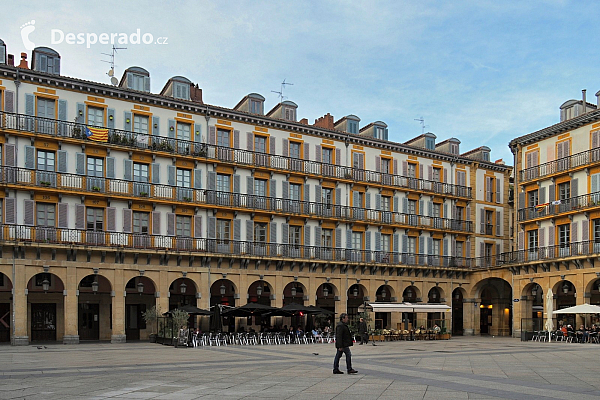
[[481, 71]]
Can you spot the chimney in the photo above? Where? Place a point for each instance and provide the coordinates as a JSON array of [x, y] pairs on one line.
[[325, 121], [11, 60], [584, 103], [196, 94], [23, 63], [304, 121]]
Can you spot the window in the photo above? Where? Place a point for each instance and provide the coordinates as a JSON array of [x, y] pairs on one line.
[[140, 124], [183, 131], [352, 127], [260, 187], [412, 245], [596, 230], [486, 156], [459, 213], [532, 240], [95, 167], [295, 150], [45, 109], [223, 230], [490, 188], [260, 144], [136, 81], [289, 114], [489, 222], [380, 133], [184, 178], [181, 90], [46, 215], [184, 226], [140, 172], [327, 196], [260, 232], [95, 116], [95, 219], [386, 203], [436, 175], [357, 160], [412, 170], [532, 198], [564, 190], [327, 238], [488, 253], [437, 210], [430, 143], [454, 148], [295, 235], [45, 160], [326, 155], [459, 249], [295, 191], [386, 166], [386, 241], [256, 107], [436, 247], [412, 207], [223, 138], [141, 222], [564, 235]]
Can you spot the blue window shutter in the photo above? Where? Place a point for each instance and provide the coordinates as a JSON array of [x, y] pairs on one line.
[[29, 104], [249, 141], [285, 147], [378, 202], [445, 244], [272, 145], [338, 238], [396, 207], [318, 235], [421, 245], [110, 122], [498, 221], [127, 220], [430, 245], [396, 245], [28, 212], [212, 228], [9, 101], [156, 223], [236, 139], [128, 121], [404, 243], [80, 116], [30, 157], [62, 110], [306, 151], [129, 80], [237, 227], [273, 189], [236, 183], [249, 230], [63, 216], [273, 232], [155, 173], [127, 169], [377, 241], [197, 133], [197, 178], [197, 226], [405, 205], [147, 84], [285, 233], [79, 216], [368, 201], [212, 180], [367, 240], [250, 185], [110, 167], [61, 157], [445, 211], [80, 163], [172, 171], [338, 157], [574, 187], [155, 126], [338, 196], [307, 193], [212, 134], [284, 190], [170, 224], [318, 152], [430, 208], [421, 207], [306, 235], [318, 194], [348, 239], [172, 127]]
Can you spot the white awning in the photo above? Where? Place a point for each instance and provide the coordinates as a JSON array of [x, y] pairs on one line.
[[409, 307]]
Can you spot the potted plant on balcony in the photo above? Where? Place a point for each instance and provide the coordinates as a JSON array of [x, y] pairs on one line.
[[45, 183], [187, 199], [144, 194], [151, 317], [95, 189]]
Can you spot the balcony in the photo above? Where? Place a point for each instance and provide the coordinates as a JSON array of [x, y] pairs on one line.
[[22, 235], [575, 249], [211, 153], [77, 184], [579, 203], [561, 165]]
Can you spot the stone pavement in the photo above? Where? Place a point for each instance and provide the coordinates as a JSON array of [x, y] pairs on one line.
[[461, 368]]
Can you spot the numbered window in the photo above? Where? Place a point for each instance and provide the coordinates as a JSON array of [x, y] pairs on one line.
[[357, 240], [95, 116], [223, 138], [295, 235], [223, 230], [295, 191], [260, 144], [260, 232], [95, 167], [183, 131], [140, 172], [46, 160], [141, 222], [223, 183], [260, 187], [140, 124], [184, 178], [95, 219], [184, 226], [46, 108], [295, 151], [46, 216], [327, 238]]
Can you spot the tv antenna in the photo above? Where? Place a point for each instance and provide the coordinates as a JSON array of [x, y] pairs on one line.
[[280, 93], [423, 126], [111, 71]]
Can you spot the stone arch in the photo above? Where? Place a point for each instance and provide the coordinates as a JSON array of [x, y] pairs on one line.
[[493, 296], [262, 295], [593, 288], [435, 295], [385, 293], [47, 317], [294, 292], [411, 294], [223, 291]]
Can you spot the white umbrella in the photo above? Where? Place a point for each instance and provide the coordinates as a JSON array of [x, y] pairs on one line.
[[549, 308], [580, 309]]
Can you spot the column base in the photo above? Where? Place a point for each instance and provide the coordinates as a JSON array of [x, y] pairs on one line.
[[71, 339], [118, 339], [19, 340], [469, 332]]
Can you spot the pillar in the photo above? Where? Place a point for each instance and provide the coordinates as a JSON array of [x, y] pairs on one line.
[[470, 317], [118, 309], [20, 337]]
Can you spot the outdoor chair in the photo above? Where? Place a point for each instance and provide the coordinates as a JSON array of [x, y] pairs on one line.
[[593, 338]]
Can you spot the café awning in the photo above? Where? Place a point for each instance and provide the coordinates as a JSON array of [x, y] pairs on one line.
[[409, 307]]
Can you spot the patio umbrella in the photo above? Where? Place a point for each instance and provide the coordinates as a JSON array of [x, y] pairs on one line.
[[193, 310], [317, 310], [549, 308], [291, 309], [248, 310], [216, 322], [580, 309]]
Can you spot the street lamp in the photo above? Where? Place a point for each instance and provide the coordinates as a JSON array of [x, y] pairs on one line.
[[409, 292], [326, 290], [565, 288], [456, 295], [355, 291], [293, 291], [45, 284], [222, 289], [534, 290], [434, 295], [383, 293], [259, 290], [140, 288], [95, 286], [182, 288]]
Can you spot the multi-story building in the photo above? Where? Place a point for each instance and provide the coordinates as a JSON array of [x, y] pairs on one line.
[[557, 214], [115, 199]]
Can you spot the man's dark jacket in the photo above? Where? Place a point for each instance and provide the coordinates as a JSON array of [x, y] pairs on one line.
[[362, 327], [343, 338]]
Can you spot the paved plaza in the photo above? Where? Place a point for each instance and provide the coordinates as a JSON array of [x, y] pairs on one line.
[[461, 368]]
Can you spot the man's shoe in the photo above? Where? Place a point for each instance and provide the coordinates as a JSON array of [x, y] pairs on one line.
[[338, 372], [352, 371]]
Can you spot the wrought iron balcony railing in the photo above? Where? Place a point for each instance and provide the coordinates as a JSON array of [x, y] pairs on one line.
[[582, 202], [69, 237], [211, 152], [575, 249], [562, 164], [73, 183]]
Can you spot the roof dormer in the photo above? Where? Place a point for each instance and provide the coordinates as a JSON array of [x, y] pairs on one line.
[[424, 141], [451, 146], [2, 52], [480, 153], [574, 108], [376, 130], [45, 59], [178, 87], [285, 110], [349, 124], [253, 103], [136, 78]]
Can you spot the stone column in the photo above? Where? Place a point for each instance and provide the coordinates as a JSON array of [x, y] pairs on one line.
[[20, 337], [470, 317], [71, 304], [118, 309]]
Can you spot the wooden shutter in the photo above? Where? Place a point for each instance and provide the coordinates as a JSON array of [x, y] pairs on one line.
[[80, 163], [172, 128], [111, 219], [63, 215], [318, 152], [197, 178], [172, 171], [250, 141], [9, 101], [212, 228], [521, 240], [110, 112], [171, 224], [249, 230], [574, 232], [155, 172], [482, 222], [29, 157], [377, 163], [156, 222], [127, 220], [127, 169], [127, 121], [197, 226], [236, 139], [156, 126], [29, 212], [79, 216], [212, 135], [306, 151], [498, 191], [10, 210], [285, 146], [61, 158], [498, 221], [338, 157]]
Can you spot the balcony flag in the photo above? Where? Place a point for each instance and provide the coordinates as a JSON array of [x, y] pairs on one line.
[[556, 202], [540, 207], [97, 134]]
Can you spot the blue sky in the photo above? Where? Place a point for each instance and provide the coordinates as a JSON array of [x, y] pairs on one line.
[[482, 71]]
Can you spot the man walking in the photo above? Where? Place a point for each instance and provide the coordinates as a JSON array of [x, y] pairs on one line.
[[362, 331], [343, 341]]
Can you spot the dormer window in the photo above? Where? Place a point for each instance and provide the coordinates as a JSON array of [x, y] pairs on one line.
[[353, 127], [256, 106], [430, 143], [137, 82], [454, 148], [486, 156], [289, 114], [46, 60], [2, 52], [381, 133], [181, 90]]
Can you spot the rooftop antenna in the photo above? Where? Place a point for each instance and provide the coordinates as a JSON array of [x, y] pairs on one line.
[[423, 126], [111, 71], [280, 93]]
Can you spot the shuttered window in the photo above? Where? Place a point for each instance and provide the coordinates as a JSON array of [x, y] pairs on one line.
[[95, 116], [223, 230], [141, 222], [327, 238], [46, 215], [184, 226], [260, 232], [140, 124]]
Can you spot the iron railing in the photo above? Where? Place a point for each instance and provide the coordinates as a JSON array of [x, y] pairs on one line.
[[560, 165], [574, 249], [211, 152], [582, 202]]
